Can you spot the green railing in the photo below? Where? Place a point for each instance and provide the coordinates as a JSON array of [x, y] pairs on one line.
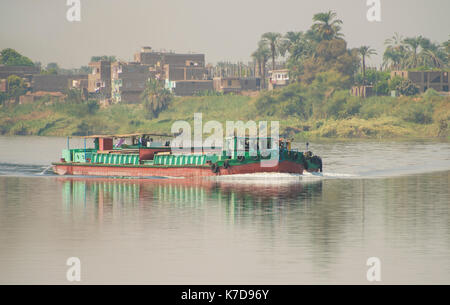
[[115, 158]]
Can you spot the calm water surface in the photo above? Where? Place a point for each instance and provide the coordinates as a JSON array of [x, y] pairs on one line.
[[384, 199]]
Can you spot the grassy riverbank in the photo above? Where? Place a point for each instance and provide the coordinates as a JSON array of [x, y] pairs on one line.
[[302, 114]]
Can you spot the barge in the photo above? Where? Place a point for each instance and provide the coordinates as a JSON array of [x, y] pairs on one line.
[[142, 157]]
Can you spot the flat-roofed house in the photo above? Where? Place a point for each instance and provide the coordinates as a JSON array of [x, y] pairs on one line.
[[50, 83], [236, 84], [174, 73], [438, 80], [278, 78], [128, 81], [26, 72], [227, 84], [159, 59], [189, 87], [99, 80]]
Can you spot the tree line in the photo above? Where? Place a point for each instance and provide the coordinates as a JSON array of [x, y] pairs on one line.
[[323, 48]]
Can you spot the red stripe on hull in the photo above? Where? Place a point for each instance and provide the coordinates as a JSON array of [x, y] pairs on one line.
[[141, 171]]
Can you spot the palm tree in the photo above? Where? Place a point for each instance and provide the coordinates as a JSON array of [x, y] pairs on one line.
[[273, 41], [395, 42], [289, 40], [155, 98], [327, 26], [392, 59], [395, 52], [432, 54], [365, 52], [413, 44], [261, 55]]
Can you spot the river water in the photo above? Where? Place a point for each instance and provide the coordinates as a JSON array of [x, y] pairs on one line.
[[386, 199]]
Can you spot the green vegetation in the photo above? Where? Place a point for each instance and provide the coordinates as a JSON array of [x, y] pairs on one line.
[[365, 52], [325, 111], [103, 58], [155, 98], [321, 109], [318, 50], [16, 87], [417, 53], [10, 57], [272, 41], [261, 55]]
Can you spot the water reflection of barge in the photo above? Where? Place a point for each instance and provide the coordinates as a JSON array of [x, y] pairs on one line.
[[112, 191]]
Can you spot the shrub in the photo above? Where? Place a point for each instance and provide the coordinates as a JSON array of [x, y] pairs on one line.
[[92, 106], [407, 87]]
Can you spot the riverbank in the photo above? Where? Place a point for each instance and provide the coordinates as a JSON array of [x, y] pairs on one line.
[[337, 116]]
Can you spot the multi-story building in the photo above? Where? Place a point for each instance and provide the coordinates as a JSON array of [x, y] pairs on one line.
[[174, 73], [128, 81], [438, 80], [99, 80], [159, 59], [25, 72]]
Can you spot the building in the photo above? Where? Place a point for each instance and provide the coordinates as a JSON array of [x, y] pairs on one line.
[[99, 80], [250, 83], [174, 72], [236, 84], [59, 83], [438, 80], [128, 81], [189, 87], [25, 72], [159, 59], [50, 83], [278, 79], [362, 91], [31, 97]]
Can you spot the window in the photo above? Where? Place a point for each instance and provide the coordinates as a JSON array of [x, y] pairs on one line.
[[445, 88], [445, 77], [229, 83]]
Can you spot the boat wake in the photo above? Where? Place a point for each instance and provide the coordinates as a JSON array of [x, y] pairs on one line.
[[8, 169], [279, 178]]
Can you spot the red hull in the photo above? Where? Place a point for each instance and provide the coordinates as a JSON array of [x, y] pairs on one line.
[[188, 171]]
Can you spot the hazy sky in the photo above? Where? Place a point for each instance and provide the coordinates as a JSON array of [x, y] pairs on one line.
[[223, 30]]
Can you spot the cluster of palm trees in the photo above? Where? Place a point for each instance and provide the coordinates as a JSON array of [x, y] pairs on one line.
[[414, 52], [296, 44], [400, 53]]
